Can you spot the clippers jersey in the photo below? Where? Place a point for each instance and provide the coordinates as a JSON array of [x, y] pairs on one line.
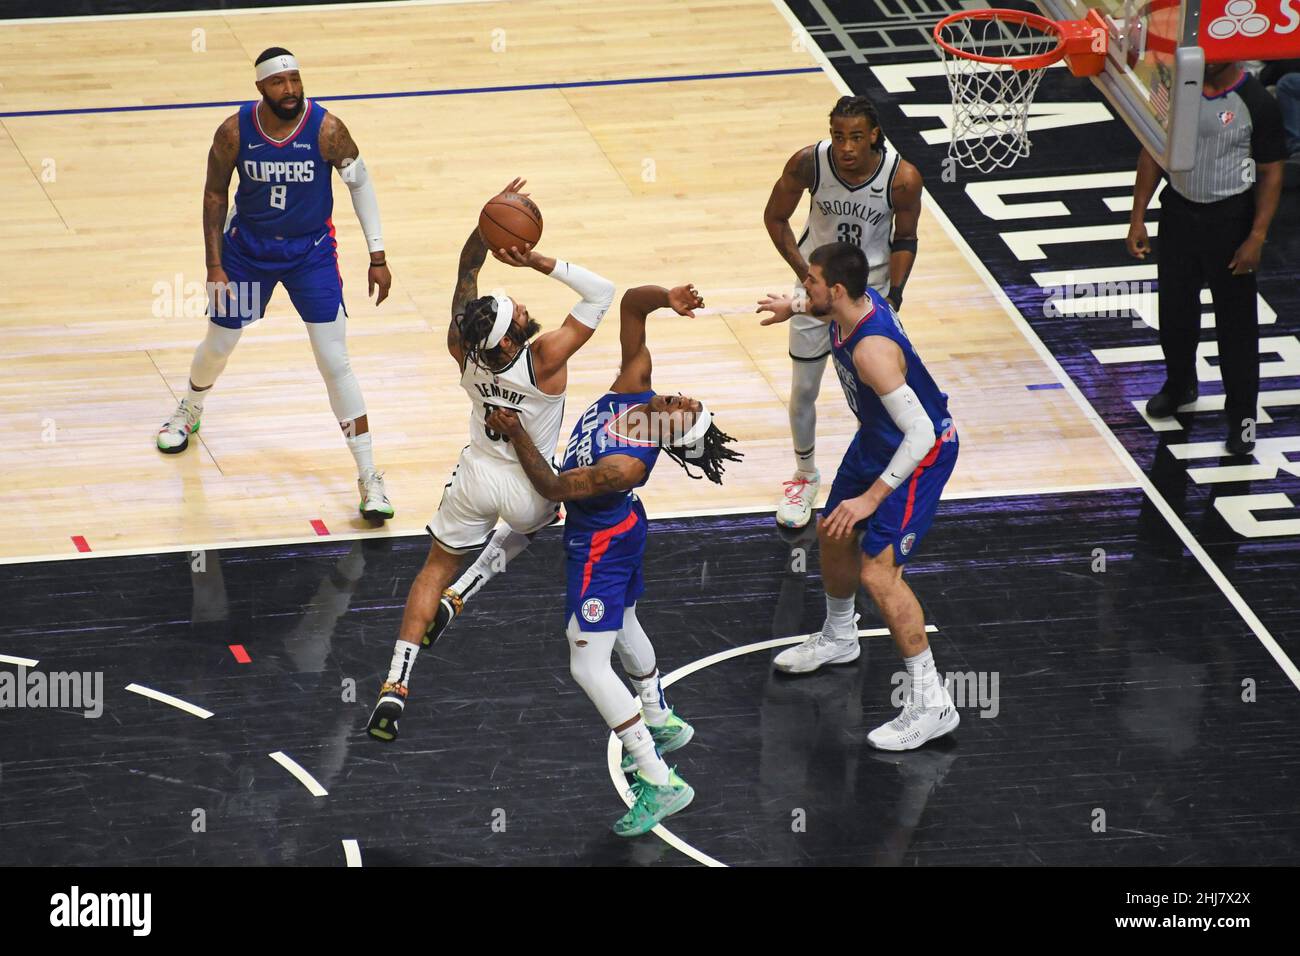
[[862, 215], [878, 437], [284, 187], [598, 434], [514, 387]]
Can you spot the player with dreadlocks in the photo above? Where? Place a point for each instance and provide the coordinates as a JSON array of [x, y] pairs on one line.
[[501, 366], [612, 450]]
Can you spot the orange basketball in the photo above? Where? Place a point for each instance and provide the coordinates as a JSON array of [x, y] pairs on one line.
[[510, 220]]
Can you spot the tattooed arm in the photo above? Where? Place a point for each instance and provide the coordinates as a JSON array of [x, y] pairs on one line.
[[472, 256], [615, 473]]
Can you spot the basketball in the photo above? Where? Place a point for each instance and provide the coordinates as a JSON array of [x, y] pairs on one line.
[[510, 219]]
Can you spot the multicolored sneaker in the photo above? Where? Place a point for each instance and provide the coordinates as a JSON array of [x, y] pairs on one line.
[[798, 495], [671, 735], [375, 505], [174, 436], [383, 720], [449, 607], [651, 803]]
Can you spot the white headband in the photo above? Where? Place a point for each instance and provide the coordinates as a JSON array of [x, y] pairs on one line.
[[505, 315], [276, 64], [698, 430]]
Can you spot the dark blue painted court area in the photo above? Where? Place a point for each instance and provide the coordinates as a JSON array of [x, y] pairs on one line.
[[1117, 690]]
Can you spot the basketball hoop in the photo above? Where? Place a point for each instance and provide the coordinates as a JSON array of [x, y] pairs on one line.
[[994, 60]]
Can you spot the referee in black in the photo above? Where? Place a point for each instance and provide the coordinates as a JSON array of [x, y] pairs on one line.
[[1214, 220]]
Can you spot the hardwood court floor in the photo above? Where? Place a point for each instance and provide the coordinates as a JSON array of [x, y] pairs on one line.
[[644, 182]]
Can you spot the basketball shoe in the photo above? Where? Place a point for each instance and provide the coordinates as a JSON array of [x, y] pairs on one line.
[[821, 648], [798, 496], [174, 436], [449, 606], [916, 724], [651, 803], [383, 719], [375, 505], [672, 734]]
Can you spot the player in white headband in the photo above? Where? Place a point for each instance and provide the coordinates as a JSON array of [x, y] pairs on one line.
[[612, 450], [503, 363], [280, 232]]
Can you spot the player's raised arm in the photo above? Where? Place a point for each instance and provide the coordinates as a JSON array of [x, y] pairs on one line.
[[880, 365], [216, 194], [789, 189], [635, 307], [906, 199], [472, 256], [612, 473], [339, 150], [552, 351]]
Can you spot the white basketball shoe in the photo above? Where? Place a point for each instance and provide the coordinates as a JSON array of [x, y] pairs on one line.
[[916, 724], [798, 495], [174, 436], [822, 648], [375, 505]]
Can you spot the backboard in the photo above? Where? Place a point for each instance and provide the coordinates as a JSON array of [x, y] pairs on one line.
[[1154, 68]]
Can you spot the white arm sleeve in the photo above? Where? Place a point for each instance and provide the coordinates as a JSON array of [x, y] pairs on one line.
[[353, 172], [918, 434], [597, 292]]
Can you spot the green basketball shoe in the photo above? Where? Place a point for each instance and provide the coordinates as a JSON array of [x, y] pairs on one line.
[[651, 804], [670, 736]]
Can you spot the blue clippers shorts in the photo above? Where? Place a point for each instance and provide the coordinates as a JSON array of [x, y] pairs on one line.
[[905, 516], [604, 571], [307, 266]]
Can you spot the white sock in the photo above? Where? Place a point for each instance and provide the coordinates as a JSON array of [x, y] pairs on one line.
[[927, 691], [654, 706], [363, 451], [839, 617], [505, 545], [195, 395], [638, 742], [399, 671]]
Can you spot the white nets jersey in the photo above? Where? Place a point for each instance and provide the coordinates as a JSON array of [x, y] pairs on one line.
[[514, 387], [862, 215]]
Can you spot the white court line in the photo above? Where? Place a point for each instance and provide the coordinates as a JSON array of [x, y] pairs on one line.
[[1139, 477], [614, 751], [306, 779], [657, 515], [182, 14], [176, 702], [20, 661], [352, 852]]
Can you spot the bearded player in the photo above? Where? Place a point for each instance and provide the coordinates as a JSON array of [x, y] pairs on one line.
[[613, 449], [491, 339], [281, 232], [886, 491], [861, 192]]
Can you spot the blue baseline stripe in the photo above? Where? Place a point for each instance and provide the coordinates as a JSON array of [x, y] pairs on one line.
[[460, 91], [1046, 385]]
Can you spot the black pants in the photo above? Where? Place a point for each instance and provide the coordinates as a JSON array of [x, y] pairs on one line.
[[1195, 245]]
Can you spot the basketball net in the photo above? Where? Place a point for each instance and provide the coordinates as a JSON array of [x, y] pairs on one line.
[[990, 100]]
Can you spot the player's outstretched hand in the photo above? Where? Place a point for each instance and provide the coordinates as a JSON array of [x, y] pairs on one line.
[[381, 277], [781, 307], [505, 421], [685, 300], [847, 514], [514, 186]]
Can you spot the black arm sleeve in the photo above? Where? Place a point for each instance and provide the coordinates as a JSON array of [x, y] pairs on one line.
[[1267, 139]]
